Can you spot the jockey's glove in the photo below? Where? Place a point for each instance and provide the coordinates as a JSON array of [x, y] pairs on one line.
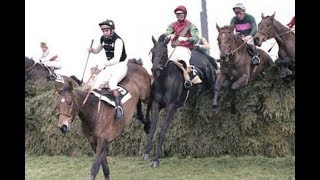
[[183, 38]]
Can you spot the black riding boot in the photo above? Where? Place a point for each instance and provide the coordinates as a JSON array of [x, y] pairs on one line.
[[52, 76], [119, 109], [255, 58]]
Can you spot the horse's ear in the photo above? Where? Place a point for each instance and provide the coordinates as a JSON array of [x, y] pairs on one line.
[[272, 16], [262, 16], [218, 27], [70, 85], [154, 40]]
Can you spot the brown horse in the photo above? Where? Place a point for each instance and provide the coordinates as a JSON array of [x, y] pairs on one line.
[[39, 74], [101, 127], [235, 61], [269, 28]]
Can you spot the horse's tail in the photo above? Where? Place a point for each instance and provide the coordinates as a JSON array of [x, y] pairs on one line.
[[136, 61], [76, 79]]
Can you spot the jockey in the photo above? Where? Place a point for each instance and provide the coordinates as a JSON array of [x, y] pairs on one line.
[[112, 70], [49, 59], [292, 23], [183, 36], [246, 25], [202, 44]]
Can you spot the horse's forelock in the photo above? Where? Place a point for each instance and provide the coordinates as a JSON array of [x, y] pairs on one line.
[[162, 38]]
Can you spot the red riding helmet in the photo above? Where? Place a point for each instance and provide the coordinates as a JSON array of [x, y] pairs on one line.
[[181, 8]]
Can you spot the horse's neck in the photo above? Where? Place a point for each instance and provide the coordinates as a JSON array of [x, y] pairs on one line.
[[280, 33], [241, 48]]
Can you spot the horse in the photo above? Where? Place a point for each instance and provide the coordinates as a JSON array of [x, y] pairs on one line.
[[235, 61], [269, 28], [101, 127], [39, 74], [168, 89]]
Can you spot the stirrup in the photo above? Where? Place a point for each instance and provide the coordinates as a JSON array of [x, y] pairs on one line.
[[187, 84], [116, 108], [52, 77], [254, 58]]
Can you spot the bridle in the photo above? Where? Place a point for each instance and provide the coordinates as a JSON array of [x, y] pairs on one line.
[[234, 50], [75, 110]]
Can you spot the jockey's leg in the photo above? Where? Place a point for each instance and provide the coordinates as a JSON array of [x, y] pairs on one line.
[[119, 71], [255, 58], [52, 75]]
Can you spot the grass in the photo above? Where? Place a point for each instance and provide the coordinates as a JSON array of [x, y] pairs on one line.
[[133, 168]]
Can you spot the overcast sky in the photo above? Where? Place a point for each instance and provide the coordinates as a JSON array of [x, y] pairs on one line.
[[69, 25]]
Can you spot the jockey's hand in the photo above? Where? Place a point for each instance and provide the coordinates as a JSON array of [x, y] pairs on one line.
[[90, 50], [247, 38], [95, 70], [182, 39], [171, 36]]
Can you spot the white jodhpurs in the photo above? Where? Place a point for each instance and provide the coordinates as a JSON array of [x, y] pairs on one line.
[[111, 76], [55, 64], [180, 53]]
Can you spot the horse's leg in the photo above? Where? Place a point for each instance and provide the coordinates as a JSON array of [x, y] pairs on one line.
[[139, 112], [170, 110], [217, 85], [154, 120], [101, 143], [105, 166], [145, 122], [243, 80], [147, 119], [104, 162]]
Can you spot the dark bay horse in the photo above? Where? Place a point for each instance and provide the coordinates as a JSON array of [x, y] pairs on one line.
[[235, 61], [269, 28], [101, 128], [38, 73], [168, 89]]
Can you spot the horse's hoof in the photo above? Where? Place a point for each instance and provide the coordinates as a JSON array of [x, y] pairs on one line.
[[154, 164], [145, 157]]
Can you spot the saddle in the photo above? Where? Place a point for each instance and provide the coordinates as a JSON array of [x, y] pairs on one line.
[[190, 72], [107, 96]]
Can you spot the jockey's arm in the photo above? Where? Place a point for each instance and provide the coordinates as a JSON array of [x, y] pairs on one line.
[[96, 50], [253, 26], [194, 34], [169, 30], [205, 44], [118, 46]]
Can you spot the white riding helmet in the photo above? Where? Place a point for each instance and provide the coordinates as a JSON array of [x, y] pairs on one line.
[[240, 6]]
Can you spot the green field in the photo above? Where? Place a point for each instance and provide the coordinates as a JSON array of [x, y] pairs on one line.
[[133, 168]]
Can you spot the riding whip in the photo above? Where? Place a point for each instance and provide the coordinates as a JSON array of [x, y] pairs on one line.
[[272, 46], [84, 71]]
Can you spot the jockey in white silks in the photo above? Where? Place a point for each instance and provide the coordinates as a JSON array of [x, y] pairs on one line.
[[49, 59], [112, 70]]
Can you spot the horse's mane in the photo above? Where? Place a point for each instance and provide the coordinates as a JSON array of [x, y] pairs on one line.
[[162, 38]]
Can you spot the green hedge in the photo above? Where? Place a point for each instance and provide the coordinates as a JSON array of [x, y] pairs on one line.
[[258, 119]]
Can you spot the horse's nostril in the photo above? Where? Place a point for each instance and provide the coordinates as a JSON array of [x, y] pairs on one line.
[[64, 129]]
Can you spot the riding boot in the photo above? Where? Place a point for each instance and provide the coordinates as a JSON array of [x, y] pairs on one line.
[[118, 107], [255, 58], [52, 76]]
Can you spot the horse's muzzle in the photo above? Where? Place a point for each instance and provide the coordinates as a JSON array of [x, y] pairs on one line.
[[256, 41], [64, 129]]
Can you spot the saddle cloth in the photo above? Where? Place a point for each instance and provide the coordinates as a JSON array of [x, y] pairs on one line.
[[109, 98], [59, 78]]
